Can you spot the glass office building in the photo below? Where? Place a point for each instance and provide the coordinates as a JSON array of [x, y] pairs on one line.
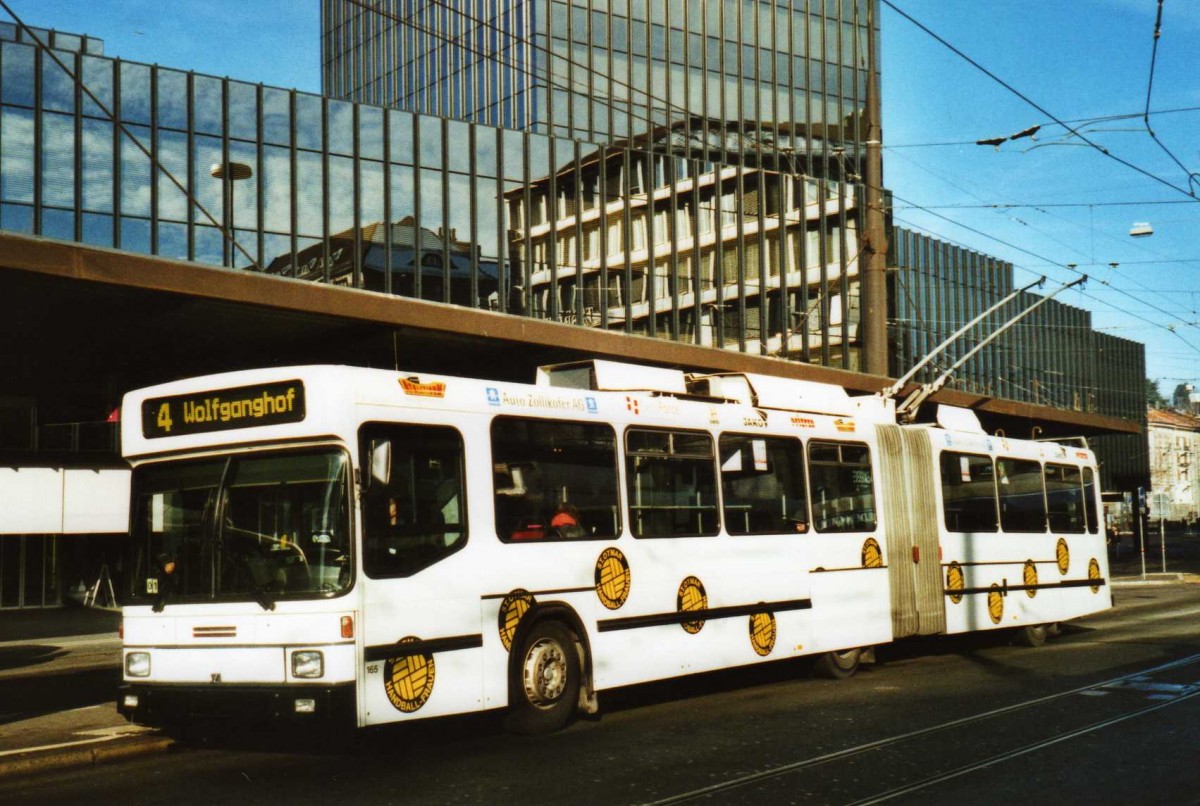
[[636, 236], [700, 162], [1052, 357], [732, 80], [726, 230]]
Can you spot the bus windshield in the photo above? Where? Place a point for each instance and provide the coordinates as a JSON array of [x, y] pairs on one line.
[[245, 527]]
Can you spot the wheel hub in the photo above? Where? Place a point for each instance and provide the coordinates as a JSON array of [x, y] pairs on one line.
[[545, 672]]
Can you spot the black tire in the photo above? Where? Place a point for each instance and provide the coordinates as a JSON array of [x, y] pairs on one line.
[[545, 680], [838, 665], [1034, 635]]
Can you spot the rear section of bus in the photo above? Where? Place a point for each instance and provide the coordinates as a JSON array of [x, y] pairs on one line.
[[238, 589]]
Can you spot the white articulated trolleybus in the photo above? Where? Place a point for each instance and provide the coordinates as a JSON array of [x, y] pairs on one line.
[[371, 546]]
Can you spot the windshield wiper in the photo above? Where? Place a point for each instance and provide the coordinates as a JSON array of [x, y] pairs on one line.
[[261, 596], [160, 601]]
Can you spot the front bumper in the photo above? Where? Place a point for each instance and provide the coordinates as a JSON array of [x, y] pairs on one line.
[[158, 704]]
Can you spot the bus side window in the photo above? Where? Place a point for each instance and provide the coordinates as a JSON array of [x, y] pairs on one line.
[[762, 479], [672, 483], [1089, 501], [417, 517], [841, 485], [1022, 498], [1064, 499], [554, 480], [968, 493]]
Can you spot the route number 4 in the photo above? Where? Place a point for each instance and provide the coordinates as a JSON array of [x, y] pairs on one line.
[[164, 417]]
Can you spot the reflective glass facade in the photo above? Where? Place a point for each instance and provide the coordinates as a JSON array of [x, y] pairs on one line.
[[732, 79], [665, 207], [625, 237], [650, 234]]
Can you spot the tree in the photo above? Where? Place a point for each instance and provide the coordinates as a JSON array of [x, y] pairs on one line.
[[1154, 398]]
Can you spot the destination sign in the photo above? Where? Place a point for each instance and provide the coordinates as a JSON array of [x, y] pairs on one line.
[[223, 409]]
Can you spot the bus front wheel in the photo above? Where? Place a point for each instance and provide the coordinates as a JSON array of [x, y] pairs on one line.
[[546, 680]]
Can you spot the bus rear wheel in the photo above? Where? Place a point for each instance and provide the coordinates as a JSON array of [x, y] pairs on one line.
[[838, 665], [546, 680], [1033, 635]]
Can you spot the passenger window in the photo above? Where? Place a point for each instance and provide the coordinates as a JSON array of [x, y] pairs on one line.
[[418, 516], [841, 486], [762, 481], [554, 480], [1022, 503], [1064, 499], [968, 493], [672, 483], [1089, 500]]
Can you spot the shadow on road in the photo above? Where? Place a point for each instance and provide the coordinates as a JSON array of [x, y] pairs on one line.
[[25, 697], [15, 657]]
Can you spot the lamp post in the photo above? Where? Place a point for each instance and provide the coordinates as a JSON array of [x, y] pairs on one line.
[[874, 245], [229, 172]]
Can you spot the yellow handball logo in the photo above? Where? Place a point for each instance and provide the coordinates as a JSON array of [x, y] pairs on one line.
[[762, 633], [612, 578], [1062, 556], [955, 582], [1094, 574], [512, 609], [872, 555], [995, 604], [691, 597], [1029, 575], [408, 680]]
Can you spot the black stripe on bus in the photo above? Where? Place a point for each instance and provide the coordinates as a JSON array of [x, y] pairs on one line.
[[687, 616], [548, 592], [1069, 583], [849, 568], [427, 647], [216, 645]]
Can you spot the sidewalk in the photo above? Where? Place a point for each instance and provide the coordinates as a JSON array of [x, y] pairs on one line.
[[1182, 557], [59, 671]]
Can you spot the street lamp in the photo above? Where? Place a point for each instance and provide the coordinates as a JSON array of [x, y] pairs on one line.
[[229, 172]]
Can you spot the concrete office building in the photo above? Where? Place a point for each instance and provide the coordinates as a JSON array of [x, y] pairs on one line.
[[1174, 439]]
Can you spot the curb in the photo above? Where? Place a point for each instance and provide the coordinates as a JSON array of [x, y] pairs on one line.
[[1154, 579], [52, 759]]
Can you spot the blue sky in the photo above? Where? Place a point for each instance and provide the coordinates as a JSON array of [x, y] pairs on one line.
[[1076, 59]]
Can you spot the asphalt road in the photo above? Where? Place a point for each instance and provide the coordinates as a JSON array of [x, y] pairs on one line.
[[1108, 712]]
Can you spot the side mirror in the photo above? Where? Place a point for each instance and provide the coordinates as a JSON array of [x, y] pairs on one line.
[[381, 460]]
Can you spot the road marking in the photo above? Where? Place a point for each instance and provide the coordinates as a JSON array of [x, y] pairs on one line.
[[1155, 690], [67, 641], [130, 730]]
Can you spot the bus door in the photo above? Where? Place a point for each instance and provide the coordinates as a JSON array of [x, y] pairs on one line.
[[422, 646], [911, 528]]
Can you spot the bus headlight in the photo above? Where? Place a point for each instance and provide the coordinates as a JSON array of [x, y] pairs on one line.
[[137, 664], [309, 664]]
